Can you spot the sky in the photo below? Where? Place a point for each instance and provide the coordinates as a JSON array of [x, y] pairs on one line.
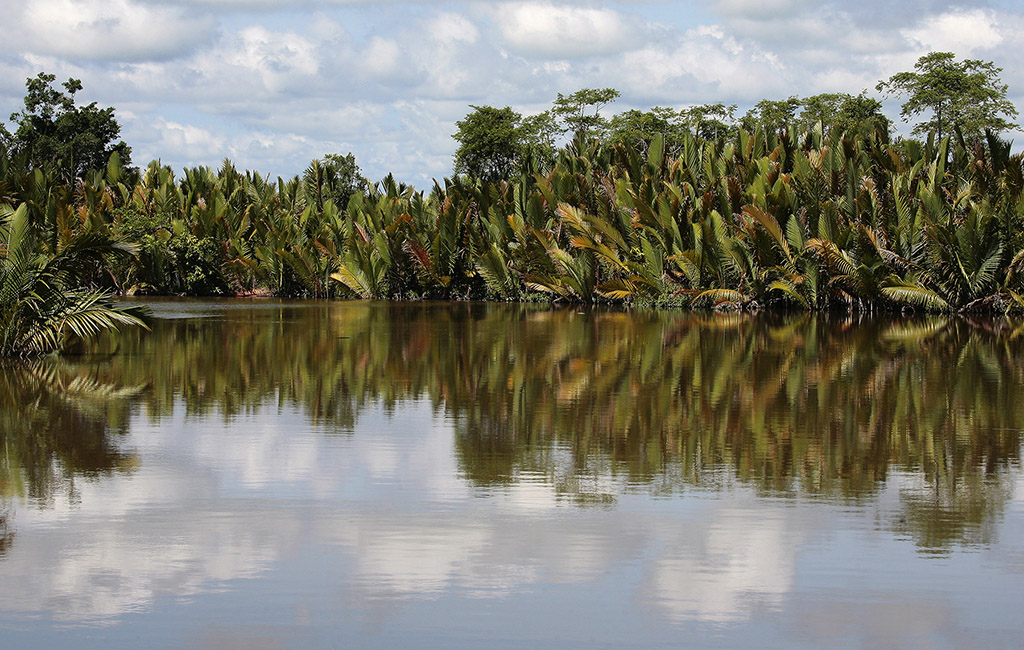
[[274, 84]]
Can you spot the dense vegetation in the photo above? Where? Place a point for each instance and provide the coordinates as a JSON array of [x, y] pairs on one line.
[[799, 220], [812, 210]]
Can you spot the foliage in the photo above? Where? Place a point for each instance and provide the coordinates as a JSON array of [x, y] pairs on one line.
[[772, 114], [843, 111], [671, 207], [43, 305], [52, 129], [834, 219], [967, 96], [491, 143], [580, 112]]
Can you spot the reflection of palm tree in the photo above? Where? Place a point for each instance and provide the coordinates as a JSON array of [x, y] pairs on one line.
[[653, 400], [56, 421], [6, 532], [963, 507]]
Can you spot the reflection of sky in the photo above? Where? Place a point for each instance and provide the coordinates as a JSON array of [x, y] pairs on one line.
[[262, 528], [716, 568]]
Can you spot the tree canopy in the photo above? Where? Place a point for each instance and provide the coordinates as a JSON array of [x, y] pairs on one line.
[[967, 95], [333, 178], [772, 114], [638, 128], [710, 121], [491, 143], [52, 130], [580, 112], [842, 110]]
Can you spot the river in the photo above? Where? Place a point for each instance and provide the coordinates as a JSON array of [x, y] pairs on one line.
[[275, 474]]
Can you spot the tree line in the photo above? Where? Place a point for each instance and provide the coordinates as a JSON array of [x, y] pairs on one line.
[[801, 204], [964, 98]]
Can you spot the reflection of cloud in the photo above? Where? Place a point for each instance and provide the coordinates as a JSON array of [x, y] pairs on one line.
[[480, 552], [207, 506], [399, 559], [719, 567], [91, 570], [110, 547], [382, 511]]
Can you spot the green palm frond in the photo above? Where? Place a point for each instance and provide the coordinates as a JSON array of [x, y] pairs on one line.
[[789, 289], [719, 297], [493, 267], [42, 304], [913, 295]]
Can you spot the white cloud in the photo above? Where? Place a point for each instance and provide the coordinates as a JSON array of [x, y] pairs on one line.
[[184, 139], [706, 65], [547, 30], [153, 137], [280, 59], [382, 58], [323, 118], [450, 28], [119, 30], [387, 80], [959, 31]]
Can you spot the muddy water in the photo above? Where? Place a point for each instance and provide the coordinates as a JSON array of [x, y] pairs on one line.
[[291, 475]]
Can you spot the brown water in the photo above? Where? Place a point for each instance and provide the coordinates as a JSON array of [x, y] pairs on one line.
[[290, 475]]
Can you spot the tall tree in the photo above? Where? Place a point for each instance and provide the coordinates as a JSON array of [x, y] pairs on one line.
[[842, 110], [580, 112], [711, 121], [491, 143], [539, 133], [335, 178], [967, 95], [637, 128], [52, 129], [772, 114]]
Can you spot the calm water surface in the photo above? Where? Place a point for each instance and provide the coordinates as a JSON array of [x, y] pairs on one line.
[[262, 474]]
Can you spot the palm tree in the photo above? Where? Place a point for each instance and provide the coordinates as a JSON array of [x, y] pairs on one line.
[[43, 306]]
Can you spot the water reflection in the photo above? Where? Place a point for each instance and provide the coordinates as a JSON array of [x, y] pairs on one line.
[[652, 401], [487, 450], [599, 403], [731, 562], [59, 424]]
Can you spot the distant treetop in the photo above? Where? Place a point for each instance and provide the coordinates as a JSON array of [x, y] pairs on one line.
[[967, 95], [52, 130]]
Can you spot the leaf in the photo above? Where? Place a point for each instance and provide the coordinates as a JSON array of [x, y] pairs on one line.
[[720, 296], [789, 289], [915, 296]]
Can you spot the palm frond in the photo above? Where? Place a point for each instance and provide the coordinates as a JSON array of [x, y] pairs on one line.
[[915, 296]]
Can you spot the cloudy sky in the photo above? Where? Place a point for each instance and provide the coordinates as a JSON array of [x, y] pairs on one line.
[[272, 84]]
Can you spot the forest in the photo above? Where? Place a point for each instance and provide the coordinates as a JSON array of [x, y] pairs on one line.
[[800, 204]]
